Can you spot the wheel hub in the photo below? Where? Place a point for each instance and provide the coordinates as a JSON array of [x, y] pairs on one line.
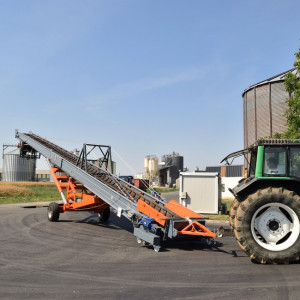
[[274, 225]]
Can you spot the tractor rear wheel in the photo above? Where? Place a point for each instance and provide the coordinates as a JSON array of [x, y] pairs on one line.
[[267, 226], [234, 206], [53, 212]]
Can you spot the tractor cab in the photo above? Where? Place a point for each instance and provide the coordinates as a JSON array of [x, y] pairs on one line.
[[270, 162]]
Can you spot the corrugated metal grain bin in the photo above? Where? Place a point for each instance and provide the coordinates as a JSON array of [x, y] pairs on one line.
[[264, 105], [200, 191], [16, 168]]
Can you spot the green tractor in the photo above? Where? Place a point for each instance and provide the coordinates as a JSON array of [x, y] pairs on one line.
[[265, 214]]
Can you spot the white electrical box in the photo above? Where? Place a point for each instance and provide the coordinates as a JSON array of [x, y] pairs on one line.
[[201, 191]]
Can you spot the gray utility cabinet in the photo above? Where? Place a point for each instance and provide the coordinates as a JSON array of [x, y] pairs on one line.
[[200, 191]]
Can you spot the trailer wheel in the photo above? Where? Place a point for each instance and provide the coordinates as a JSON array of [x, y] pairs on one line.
[[53, 212], [267, 226], [234, 206], [104, 216]]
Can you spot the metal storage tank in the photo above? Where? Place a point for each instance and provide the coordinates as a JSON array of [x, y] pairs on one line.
[[147, 164], [264, 105], [153, 166], [16, 168], [170, 170], [177, 161], [173, 159]]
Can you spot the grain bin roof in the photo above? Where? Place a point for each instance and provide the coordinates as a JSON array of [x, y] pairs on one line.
[[278, 77], [13, 152]]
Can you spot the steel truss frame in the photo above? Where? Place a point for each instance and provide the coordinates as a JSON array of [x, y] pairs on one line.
[[103, 162]]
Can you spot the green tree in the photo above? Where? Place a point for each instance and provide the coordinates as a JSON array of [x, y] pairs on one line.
[[292, 85]]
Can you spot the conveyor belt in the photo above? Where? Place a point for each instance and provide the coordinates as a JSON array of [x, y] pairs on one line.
[[132, 193], [153, 221]]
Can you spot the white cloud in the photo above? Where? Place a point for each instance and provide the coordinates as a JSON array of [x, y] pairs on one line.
[[125, 90]]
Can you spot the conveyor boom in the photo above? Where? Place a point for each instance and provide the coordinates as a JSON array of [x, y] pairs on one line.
[[153, 220]]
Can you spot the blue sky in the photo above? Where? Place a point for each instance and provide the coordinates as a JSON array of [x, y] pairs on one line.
[[146, 77]]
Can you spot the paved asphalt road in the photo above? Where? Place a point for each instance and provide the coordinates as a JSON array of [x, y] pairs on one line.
[[171, 196], [77, 258]]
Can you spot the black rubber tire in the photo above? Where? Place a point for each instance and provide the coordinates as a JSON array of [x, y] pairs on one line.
[[243, 217], [104, 216], [232, 213], [53, 212]]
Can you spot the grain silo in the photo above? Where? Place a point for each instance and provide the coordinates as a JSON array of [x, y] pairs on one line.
[[16, 168], [151, 167], [264, 106]]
